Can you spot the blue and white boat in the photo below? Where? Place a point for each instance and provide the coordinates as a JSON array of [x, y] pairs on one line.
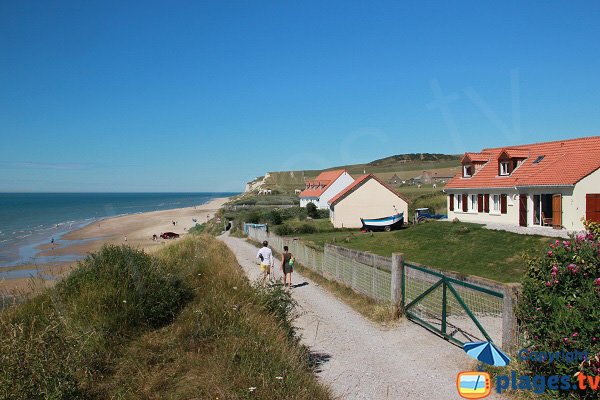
[[383, 224]]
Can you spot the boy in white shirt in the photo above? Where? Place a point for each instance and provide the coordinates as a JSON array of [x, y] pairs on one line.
[[266, 260]]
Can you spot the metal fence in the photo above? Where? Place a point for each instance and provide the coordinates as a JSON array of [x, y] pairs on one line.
[[458, 308]]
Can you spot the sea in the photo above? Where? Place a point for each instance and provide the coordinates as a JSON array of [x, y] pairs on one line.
[[30, 219]]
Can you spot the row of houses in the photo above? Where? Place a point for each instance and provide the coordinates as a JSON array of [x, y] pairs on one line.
[[349, 199], [543, 184]]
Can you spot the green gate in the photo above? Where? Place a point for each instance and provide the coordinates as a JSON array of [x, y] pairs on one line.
[[458, 311]]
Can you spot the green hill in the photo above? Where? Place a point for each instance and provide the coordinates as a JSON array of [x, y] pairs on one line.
[[406, 166]]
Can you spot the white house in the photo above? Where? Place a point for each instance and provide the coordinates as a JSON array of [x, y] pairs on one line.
[[321, 189], [366, 197], [553, 183]]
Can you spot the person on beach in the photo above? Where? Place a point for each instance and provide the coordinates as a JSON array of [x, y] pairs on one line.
[[265, 255], [287, 266]]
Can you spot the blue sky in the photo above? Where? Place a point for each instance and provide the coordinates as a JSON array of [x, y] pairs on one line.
[[204, 96]]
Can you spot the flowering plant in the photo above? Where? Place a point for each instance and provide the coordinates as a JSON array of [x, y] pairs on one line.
[[559, 308]]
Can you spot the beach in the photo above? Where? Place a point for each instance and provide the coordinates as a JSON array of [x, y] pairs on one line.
[[135, 230]]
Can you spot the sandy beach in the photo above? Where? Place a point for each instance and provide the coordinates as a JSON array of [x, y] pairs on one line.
[[135, 230]]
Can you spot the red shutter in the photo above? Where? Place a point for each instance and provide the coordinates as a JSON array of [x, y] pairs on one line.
[[503, 204], [479, 203], [451, 198], [486, 203], [465, 198], [592, 207]]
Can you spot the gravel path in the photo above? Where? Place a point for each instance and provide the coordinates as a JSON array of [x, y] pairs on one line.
[[361, 360]]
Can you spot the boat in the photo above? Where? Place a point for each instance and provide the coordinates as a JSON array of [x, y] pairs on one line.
[[383, 224]]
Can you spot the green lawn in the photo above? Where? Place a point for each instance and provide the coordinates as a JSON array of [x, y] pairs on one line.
[[465, 248]]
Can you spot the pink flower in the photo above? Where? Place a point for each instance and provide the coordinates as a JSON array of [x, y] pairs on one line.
[[556, 243], [574, 334], [538, 308], [550, 254], [553, 273], [597, 282], [565, 340], [548, 284], [594, 339], [566, 243], [556, 282]]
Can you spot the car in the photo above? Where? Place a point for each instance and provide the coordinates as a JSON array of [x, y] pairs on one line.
[[169, 235]]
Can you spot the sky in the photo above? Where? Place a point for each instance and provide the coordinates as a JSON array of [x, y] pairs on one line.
[[189, 96]]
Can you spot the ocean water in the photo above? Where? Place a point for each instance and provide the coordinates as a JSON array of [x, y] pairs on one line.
[[30, 219]]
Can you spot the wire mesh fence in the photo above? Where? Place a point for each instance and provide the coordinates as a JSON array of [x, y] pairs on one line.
[[456, 308]]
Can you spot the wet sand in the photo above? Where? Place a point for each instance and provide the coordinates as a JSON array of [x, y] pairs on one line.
[[135, 230]]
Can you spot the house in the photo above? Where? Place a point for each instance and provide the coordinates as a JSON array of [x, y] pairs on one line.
[[366, 197], [553, 183], [321, 189], [395, 180]]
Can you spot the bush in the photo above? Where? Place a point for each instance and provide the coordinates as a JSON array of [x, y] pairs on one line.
[[119, 289], [284, 230], [312, 211], [306, 228], [273, 217], [560, 305]]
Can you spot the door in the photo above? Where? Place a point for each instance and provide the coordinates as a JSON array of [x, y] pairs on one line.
[[557, 211], [537, 209], [523, 210], [592, 207]]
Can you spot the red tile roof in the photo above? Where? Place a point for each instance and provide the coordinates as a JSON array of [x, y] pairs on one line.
[[565, 162], [321, 183], [359, 182], [477, 157]]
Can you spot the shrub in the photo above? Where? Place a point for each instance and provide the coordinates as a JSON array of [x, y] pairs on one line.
[[593, 228], [284, 230], [560, 305], [273, 217], [119, 289], [312, 211], [306, 228]]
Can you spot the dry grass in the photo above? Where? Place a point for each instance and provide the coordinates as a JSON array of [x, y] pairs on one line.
[[206, 334]]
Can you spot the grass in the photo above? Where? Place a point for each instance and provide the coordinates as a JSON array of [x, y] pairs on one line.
[[184, 323], [461, 247]]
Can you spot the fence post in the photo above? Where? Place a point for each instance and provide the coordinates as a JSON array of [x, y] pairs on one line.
[[397, 277], [509, 320]]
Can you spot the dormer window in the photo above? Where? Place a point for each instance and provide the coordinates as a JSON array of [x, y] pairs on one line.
[[467, 171], [504, 168]]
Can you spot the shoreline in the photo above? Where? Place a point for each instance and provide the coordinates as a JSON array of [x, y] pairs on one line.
[[135, 230]]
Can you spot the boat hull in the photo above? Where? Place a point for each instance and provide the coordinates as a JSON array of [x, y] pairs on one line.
[[383, 224]]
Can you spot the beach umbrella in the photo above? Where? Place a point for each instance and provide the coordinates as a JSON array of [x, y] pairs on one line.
[[486, 352]]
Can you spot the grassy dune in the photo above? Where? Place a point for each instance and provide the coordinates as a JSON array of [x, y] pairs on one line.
[[182, 324]]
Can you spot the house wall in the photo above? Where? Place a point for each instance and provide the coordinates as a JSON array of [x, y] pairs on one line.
[[576, 210], [341, 183], [370, 200], [571, 208], [512, 208]]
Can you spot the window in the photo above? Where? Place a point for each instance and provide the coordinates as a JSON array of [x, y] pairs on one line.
[[538, 159], [473, 202], [496, 203], [467, 170], [503, 167], [458, 202]]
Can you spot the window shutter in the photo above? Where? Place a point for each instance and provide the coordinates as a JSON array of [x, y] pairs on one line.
[[503, 204], [486, 203], [451, 198], [465, 199], [479, 203]]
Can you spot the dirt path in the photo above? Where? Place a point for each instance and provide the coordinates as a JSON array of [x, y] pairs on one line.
[[361, 360]]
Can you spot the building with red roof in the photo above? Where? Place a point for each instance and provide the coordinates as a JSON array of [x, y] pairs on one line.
[[325, 186], [553, 183], [367, 197]]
